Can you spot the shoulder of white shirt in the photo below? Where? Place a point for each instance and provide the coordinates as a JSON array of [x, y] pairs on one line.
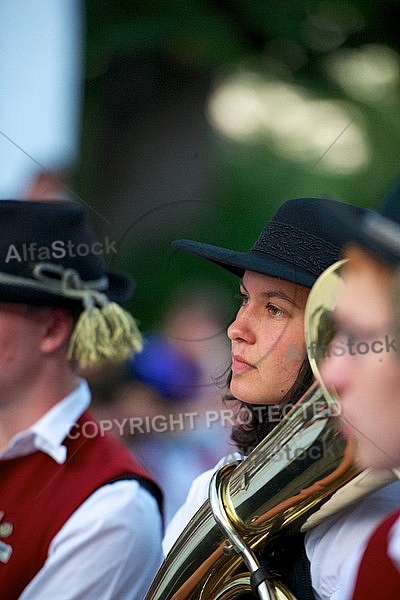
[[49, 432]]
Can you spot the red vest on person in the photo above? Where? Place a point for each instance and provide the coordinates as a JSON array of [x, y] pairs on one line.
[[37, 496], [378, 578]]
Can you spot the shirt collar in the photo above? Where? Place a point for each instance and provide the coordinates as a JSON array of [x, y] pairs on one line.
[[48, 433]]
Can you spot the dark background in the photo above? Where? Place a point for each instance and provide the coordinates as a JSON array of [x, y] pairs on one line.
[[311, 91]]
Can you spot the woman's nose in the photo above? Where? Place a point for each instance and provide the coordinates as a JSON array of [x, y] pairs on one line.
[[241, 329]]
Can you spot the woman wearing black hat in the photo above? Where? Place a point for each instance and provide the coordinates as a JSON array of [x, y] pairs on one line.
[[368, 381], [269, 367]]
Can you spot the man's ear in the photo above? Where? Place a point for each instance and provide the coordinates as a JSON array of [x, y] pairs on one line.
[[58, 324]]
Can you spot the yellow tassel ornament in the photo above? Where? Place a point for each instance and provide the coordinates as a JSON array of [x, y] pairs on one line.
[[106, 333]]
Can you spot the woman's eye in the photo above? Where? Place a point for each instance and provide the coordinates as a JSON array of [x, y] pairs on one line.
[[243, 298], [275, 311]]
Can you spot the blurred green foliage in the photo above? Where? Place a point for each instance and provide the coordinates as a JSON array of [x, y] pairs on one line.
[[286, 39]]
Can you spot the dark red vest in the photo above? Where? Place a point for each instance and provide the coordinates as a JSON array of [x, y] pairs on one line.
[[37, 496], [378, 578]]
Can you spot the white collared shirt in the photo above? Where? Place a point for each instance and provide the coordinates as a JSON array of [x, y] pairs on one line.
[[121, 518]]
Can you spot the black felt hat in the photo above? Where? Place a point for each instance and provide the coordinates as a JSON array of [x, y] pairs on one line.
[[294, 245], [377, 232], [49, 255]]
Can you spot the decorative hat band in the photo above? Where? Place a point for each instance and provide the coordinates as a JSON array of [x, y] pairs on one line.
[[58, 280], [301, 248]]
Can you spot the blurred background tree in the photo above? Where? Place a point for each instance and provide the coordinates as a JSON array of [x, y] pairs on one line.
[[202, 116]]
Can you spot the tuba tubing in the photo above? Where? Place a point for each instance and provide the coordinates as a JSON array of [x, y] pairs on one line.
[[287, 477]]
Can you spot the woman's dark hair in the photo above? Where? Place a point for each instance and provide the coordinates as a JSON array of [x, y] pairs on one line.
[[255, 422]]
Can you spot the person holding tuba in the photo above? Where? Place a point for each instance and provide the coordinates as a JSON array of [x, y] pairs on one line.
[[367, 381], [269, 368]]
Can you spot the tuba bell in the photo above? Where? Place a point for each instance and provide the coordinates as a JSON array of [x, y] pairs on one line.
[[298, 472]]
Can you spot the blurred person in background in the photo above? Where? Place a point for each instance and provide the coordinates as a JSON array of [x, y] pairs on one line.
[[195, 322], [79, 516], [153, 402], [367, 382], [291, 252]]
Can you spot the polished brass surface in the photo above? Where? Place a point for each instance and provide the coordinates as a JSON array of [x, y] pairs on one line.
[[318, 319]]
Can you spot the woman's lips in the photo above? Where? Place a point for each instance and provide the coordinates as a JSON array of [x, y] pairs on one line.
[[239, 365]]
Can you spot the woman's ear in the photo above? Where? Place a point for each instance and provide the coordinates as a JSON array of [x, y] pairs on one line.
[[58, 324]]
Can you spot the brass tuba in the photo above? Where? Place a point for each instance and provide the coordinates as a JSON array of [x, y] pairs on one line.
[[295, 473]]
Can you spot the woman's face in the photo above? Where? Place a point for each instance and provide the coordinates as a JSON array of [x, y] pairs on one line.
[[366, 372], [267, 338]]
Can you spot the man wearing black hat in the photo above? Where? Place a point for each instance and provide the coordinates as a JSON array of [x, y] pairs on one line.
[[293, 249], [367, 380], [79, 517]]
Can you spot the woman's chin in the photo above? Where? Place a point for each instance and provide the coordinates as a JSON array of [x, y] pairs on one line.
[[249, 396]]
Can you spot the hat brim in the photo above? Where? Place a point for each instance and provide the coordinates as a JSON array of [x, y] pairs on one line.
[[121, 286], [239, 262], [364, 229]]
